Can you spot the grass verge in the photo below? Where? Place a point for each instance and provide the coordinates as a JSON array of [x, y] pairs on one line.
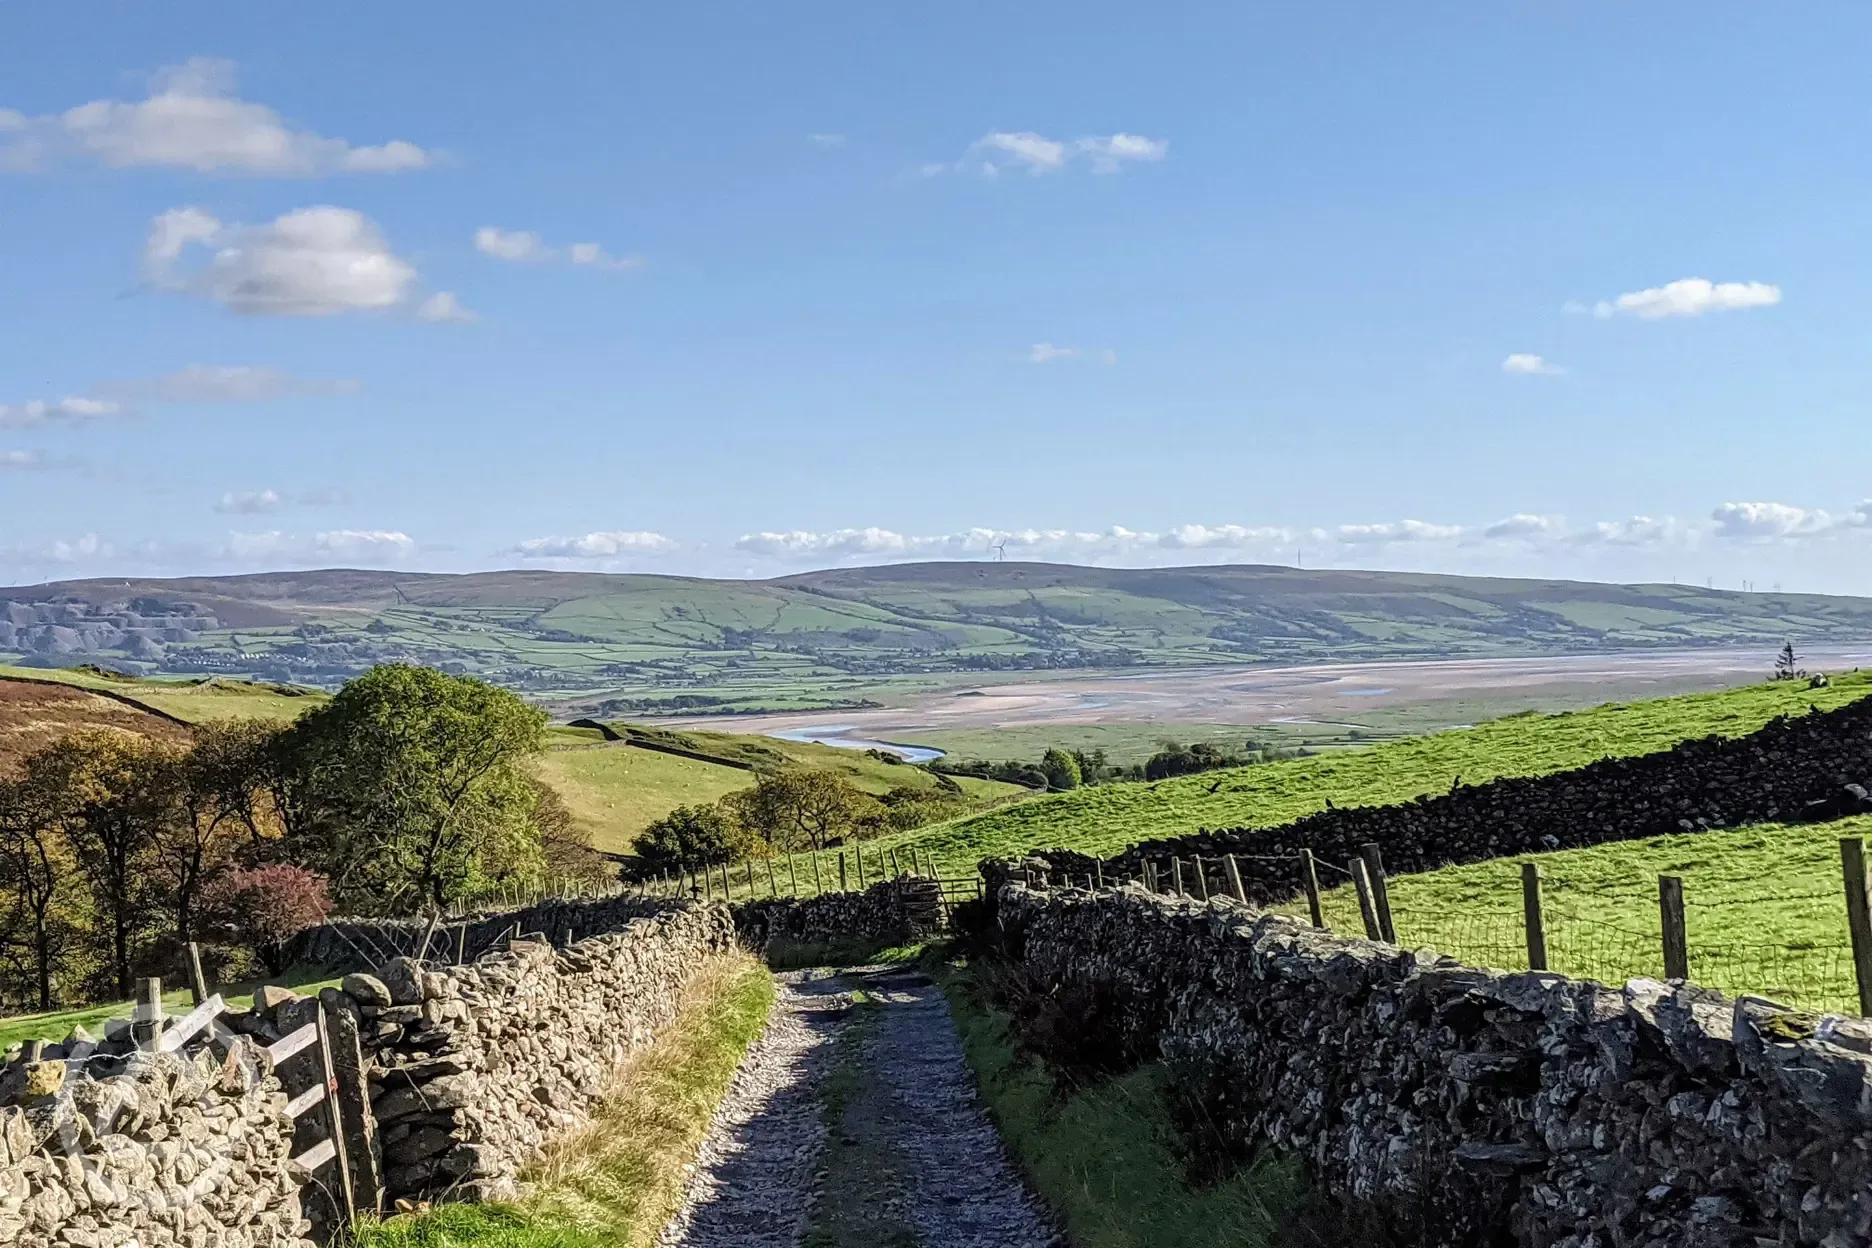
[[794, 955], [1106, 1158], [617, 1182]]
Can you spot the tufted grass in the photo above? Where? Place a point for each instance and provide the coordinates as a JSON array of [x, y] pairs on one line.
[[1107, 1158], [616, 1183], [1106, 819]]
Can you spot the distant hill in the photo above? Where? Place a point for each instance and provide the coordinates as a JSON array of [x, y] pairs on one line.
[[636, 644]]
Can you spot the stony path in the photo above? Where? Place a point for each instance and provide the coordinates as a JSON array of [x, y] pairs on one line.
[[753, 1183], [915, 1151]]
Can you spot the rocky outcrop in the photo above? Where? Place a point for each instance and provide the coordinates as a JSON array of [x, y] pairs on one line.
[[1466, 1106], [1815, 766]]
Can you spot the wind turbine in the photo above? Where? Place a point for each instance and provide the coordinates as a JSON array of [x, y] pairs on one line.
[[1000, 550]]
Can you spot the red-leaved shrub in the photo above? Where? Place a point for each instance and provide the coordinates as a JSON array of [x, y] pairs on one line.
[[266, 907]]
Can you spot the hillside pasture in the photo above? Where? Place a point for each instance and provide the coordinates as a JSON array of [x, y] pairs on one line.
[[1764, 907], [1108, 818], [33, 716]]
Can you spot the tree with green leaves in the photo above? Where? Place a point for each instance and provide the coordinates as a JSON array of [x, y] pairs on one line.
[[410, 785], [1061, 769], [695, 836], [802, 808]]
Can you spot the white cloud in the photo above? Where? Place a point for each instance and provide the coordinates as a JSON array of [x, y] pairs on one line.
[[524, 246], [610, 544], [1108, 154], [311, 262], [999, 150], [223, 383], [444, 306], [192, 120], [364, 543], [1772, 520], [55, 411], [249, 502], [1386, 534], [20, 459], [510, 244], [1636, 531], [1523, 525], [1689, 296], [1223, 536], [826, 140], [1047, 353], [1529, 365]]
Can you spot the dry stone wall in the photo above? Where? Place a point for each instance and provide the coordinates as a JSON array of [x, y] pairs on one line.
[[467, 1071], [902, 910], [151, 1149], [358, 944], [1807, 767], [475, 1067], [1466, 1106]]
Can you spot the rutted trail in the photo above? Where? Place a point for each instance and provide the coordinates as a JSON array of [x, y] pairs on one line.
[[914, 1162]]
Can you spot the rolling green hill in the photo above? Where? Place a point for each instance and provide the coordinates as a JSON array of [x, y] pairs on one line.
[[629, 645]]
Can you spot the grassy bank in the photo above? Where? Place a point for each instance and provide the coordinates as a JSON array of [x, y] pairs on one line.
[[1764, 910], [1107, 818], [616, 1183], [1106, 1158]]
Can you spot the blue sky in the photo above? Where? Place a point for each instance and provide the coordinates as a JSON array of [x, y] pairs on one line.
[[736, 289]]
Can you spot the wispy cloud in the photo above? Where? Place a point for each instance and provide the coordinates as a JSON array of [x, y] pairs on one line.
[[371, 547], [192, 119], [1525, 364], [444, 307], [526, 247], [1002, 150], [826, 140], [1689, 296], [222, 383], [21, 459], [1047, 353], [68, 410]]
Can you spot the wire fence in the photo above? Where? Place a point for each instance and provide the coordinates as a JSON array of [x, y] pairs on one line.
[[1794, 946]]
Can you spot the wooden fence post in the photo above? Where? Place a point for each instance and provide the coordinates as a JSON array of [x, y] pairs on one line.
[[1202, 878], [198, 983], [1098, 872], [1381, 894], [1859, 916], [792, 876], [1309, 877], [895, 870], [724, 882], [345, 1057], [1368, 908], [842, 871], [1150, 876], [773, 884], [750, 879], [1671, 916], [1536, 919], [147, 1024], [708, 884], [858, 856], [1234, 878], [1176, 876]]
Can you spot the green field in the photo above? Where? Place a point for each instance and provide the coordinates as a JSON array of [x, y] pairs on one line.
[[616, 789], [1764, 911], [200, 700], [1106, 819]]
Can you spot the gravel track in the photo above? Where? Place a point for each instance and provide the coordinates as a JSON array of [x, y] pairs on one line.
[[760, 1168], [753, 1182]]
